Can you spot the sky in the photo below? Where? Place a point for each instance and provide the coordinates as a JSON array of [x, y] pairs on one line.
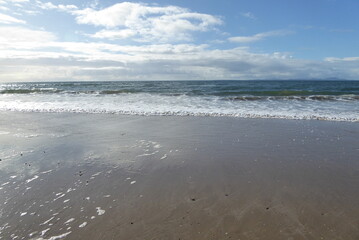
[[68, 40]]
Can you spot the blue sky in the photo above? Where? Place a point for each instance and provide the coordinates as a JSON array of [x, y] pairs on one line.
[[178, 40]]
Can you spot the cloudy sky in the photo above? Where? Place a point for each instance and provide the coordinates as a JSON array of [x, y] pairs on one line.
[[68, 40]]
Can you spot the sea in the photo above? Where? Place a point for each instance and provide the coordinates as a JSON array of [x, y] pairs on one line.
[[320, 100]]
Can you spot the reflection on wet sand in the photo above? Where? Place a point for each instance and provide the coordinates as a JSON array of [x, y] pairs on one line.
[[83, 176]]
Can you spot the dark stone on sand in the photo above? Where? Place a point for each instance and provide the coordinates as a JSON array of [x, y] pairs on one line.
[[193, 199]]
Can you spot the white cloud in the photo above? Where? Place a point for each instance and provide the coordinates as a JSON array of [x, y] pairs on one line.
[[8, 19], [61, 7], [347, 59], [14, 2], [249, 15], [113, 34], [20, 7], [4, 8], [102, 61], [259, 36], [33, 54], [150, 23], [23, 38]]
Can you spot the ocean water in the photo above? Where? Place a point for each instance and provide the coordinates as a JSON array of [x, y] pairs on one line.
[[322, 100]]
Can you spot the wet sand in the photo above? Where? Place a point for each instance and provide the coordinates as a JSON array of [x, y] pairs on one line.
[[102, 176]]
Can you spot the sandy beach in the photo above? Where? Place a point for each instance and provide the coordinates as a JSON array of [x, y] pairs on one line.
[[108, 176]]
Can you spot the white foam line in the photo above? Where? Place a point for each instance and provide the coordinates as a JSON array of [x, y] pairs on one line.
[[31, 234], [164, 156], [70, 220], [59, 236], [59, 197], [47, 221], [44, 231], [133, 182], [32, 179], [264, 113], [5, 184], [83, 225], [100, 211], [46, 172], [96, 174], [147, 154], [23, 214]]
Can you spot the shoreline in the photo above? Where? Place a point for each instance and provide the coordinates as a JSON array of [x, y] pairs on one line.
[[239, 116], [107, 176]]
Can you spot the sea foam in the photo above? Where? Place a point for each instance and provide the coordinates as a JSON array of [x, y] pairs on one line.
[[335, 101]]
